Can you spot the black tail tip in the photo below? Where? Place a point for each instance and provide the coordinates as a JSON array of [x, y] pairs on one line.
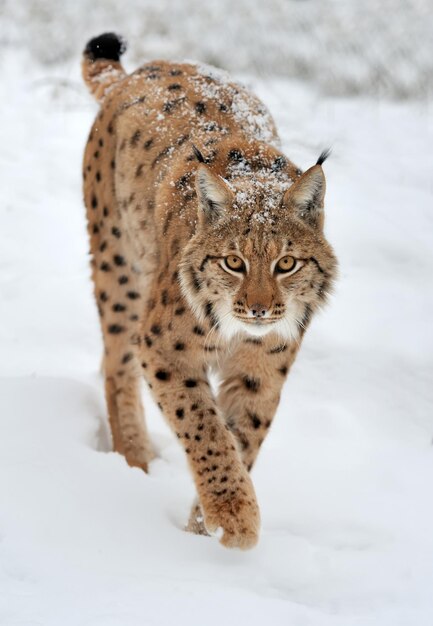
[[107, 46], [323, 156]]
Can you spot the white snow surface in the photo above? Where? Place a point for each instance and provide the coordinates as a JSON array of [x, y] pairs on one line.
[[344, 479]]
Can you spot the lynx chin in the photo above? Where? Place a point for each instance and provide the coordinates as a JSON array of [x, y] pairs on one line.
[[208, 254]]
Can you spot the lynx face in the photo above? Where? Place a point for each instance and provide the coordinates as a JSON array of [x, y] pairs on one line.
[[258, 262]]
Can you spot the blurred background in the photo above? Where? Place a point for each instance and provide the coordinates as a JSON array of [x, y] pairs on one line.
[[344, 47]]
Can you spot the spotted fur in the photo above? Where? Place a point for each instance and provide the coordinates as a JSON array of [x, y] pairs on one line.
[[182, 168]]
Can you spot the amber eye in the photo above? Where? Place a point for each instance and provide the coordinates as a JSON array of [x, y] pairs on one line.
[[234, 263], [286, 264]]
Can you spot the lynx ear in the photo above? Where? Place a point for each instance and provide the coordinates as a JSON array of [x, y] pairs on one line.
[[305, 197], [213, 194]]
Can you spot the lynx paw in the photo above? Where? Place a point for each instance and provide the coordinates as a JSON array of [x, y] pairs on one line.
[[140, 457], [238, 516]]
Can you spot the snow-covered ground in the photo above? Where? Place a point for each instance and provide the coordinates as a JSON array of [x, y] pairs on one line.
[[345, 477]]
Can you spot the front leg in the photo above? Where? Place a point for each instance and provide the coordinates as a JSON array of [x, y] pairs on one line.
[[224, 487], [249, 394]]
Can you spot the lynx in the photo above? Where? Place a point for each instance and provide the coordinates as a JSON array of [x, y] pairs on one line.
[[208, 255]]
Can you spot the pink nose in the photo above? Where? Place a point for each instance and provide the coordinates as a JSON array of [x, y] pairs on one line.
[[258, 310]]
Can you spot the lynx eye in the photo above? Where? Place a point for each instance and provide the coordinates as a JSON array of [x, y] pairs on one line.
[[234, 263], [286, 264]]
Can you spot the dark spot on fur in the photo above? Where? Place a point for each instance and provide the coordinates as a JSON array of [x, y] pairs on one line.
[[119, 260], [190, 382], [254, 340], [196, 282], [135, 138], [171, 104], [209, 312], [180, 413], [179, 346], [181, 140], [116, 232], [198, 331], [169, 216], [118, 307], [162, 375], [189, 195], [123, 280], [255, 420], [279, 163], [127, 357], [161, 155], [252, 384], [132, 295], [183, 181], [115, 329], [235, 155], [155, 329], [200, 107]]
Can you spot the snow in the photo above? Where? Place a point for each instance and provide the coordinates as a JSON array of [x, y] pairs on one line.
[[374, 46], [344, 478]]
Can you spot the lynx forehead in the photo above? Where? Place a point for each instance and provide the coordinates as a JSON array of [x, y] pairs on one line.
[[208, 253]]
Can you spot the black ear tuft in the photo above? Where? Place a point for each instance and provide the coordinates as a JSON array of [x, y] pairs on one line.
[[198, 155], [107, 46], [324, 155]]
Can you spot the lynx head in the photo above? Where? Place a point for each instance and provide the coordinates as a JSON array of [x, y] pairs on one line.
[[258, 262]]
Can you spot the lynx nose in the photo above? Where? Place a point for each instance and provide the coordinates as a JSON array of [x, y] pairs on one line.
[[258, 310]]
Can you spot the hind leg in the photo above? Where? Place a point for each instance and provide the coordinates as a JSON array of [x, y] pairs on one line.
[[126, 417], [119, 315], [118, 296], [118, 290]]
